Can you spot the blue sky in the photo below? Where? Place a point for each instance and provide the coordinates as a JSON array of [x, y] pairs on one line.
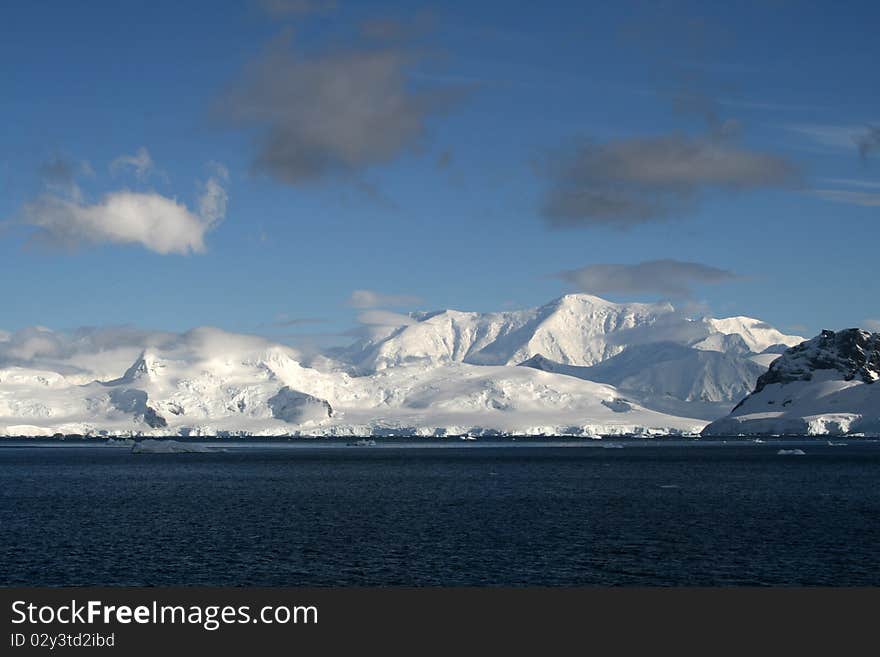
[[446, 131]]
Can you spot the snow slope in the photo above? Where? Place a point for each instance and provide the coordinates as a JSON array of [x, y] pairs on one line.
[[758, 336], [669, 377], [462, 398], [826, 385]]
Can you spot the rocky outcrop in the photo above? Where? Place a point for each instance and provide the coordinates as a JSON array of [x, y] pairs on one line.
[[823, 386], [298, 407], [134, 401], [853, 352]]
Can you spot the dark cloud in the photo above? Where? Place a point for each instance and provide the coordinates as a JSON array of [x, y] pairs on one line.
[[58, 170], [624, 182], [678, 49], [332, 113], [444, 160], [869, 141], [669, 278], [689, 99], [300, 321], [289, 8], [393, 29]]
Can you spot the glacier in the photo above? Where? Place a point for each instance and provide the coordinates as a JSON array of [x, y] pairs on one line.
[[579, 365]]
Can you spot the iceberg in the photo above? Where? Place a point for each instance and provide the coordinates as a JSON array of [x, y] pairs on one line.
[[171, 447]]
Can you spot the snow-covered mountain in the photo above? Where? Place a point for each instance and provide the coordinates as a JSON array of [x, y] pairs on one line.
[[592, 366], [573, 329], [261, 389], [576, 329], [826, 385], [207, 381]]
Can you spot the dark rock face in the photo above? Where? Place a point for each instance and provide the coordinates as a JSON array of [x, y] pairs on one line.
[[132, 400], [617, 405], [129, 400], [297, 407], [539, 362], [852, 352], [153, 419]]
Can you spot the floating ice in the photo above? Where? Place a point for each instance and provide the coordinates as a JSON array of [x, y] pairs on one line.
[[170, 447]]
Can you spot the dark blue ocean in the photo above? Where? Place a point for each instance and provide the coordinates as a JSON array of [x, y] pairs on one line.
[[442, 513]]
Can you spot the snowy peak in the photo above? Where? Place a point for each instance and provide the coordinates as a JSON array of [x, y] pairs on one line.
[[853, 352], [572, 330], [728, 343], [580, 300], [576, 329], [757, 335], [148, 367]]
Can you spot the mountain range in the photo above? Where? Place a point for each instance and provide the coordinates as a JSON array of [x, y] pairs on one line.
[[579, 365]]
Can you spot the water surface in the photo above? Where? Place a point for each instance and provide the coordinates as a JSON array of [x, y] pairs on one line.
[[442, 513]]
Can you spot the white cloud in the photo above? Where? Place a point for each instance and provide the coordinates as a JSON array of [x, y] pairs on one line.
[[835, 136], [30, 343], [853, 182], [157, 223], [141, 163], [864, 139], [850, 197], [219, 170], [373, 299], [212, 203], [871, 324], [384, 318], [91, 353]]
